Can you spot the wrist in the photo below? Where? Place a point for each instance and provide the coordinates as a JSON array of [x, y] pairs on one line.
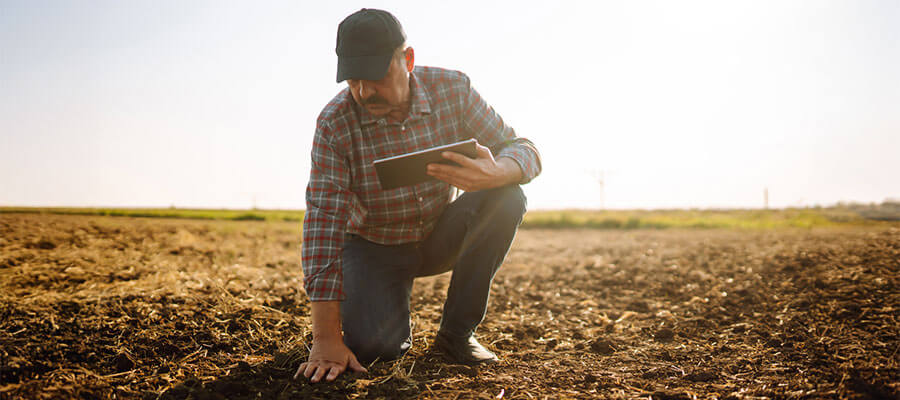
[[326, 322], [328, 339], [512, 172]]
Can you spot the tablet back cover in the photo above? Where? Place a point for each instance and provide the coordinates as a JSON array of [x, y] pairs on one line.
[[410, 169]]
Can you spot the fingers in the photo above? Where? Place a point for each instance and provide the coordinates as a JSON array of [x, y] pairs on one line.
[[335, 371], [355, 365], [445, 171], [310, 368], [313, 370], [459, 159], [483, 152], [449, 175], [328, 370], [299, 370], [320, 371]]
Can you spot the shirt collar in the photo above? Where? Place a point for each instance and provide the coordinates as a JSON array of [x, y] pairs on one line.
[[419, 102]]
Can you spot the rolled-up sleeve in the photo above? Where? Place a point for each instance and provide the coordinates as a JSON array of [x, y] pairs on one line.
[[328, 200], [485, 125]]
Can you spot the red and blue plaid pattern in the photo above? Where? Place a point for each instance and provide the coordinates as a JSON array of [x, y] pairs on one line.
[[344, 196]]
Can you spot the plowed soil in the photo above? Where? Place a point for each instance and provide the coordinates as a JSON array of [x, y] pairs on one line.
[[107, 307]]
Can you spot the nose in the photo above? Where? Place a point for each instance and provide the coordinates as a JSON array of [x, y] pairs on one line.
[[366, 89]]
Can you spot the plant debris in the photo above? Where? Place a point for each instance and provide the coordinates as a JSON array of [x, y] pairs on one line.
[[103, 307]]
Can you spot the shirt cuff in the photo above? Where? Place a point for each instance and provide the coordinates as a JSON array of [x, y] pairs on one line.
[[525, 158], [326, 285]]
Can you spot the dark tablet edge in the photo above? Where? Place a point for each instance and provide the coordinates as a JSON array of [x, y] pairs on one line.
[[428, 150]]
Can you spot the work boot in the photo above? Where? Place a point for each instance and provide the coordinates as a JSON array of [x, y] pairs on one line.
[[465, 351]]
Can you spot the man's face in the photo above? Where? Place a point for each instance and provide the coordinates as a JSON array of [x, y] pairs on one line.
[[391, 93]]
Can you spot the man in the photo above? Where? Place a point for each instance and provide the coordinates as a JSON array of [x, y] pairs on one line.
[[363, 246]]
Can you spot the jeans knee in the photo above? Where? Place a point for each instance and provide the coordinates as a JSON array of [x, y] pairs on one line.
[[511, 202], [370, 348]]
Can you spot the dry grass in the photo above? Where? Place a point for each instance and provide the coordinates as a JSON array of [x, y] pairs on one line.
[[103, 307]]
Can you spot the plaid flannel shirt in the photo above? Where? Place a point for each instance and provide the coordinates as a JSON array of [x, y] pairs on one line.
[[344, 195]]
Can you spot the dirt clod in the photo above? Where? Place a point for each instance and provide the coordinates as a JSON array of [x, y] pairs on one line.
[[602, 346], [105, 307], [664, 335]]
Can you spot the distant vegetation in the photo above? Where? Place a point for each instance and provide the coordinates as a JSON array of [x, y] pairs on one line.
[[886, 213], [659, 219], [235, 215], [889, 210]]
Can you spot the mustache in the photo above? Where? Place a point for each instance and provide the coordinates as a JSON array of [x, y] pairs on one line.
[[375, 99]]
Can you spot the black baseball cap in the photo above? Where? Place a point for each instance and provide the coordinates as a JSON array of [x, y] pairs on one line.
[[366, 41]]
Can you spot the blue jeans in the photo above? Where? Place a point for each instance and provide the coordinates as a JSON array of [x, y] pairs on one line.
[[471, 238]]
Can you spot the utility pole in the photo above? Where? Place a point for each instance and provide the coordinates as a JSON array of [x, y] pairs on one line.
[[599, 175], [765, 198]]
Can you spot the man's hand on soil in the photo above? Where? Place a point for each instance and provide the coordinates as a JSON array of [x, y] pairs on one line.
[[331, 357], [476, 174]]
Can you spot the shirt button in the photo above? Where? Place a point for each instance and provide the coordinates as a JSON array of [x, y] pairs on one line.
[[421, 199], [403, 128], [380, 122]]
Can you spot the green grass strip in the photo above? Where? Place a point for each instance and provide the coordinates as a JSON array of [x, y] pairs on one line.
[[559, 219]]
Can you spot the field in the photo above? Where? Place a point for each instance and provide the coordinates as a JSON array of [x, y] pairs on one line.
[[858, 215], [122, 307]]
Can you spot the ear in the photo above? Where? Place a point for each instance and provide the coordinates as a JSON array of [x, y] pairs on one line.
[[410, 59]]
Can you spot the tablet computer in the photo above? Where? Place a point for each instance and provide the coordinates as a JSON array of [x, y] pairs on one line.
[[410, 168]]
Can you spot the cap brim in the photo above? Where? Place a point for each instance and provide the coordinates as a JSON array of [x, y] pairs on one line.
[[370, 68]]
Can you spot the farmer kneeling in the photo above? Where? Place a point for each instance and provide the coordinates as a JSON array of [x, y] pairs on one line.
[[363, 246]]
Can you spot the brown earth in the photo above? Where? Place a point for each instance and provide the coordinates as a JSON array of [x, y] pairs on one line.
[[105, 307]]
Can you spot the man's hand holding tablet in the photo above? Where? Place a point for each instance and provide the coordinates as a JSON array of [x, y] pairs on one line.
[[411, 168], [472, 174], [466, 165]]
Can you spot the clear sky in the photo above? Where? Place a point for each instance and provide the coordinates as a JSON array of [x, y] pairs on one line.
[[680, 104]]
